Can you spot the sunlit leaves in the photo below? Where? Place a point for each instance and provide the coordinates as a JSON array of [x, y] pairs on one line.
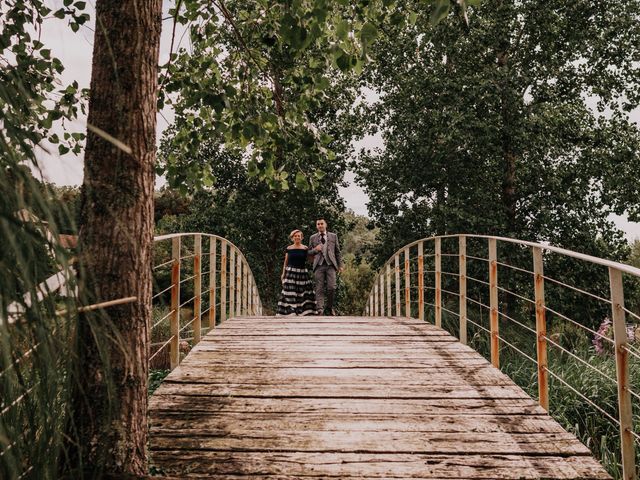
[[255, 71], [31, 102]]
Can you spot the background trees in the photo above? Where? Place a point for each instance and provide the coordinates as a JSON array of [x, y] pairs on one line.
[[500, 127]]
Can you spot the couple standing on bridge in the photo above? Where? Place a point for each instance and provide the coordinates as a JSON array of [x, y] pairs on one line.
[[298, 296]]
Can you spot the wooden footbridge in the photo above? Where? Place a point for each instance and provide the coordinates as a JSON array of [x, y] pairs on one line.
[[400, 392], [351, 397]]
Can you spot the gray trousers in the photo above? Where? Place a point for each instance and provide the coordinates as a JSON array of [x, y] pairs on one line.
[[323, 273]]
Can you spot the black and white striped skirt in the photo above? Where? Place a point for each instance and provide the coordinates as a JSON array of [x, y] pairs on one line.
[[297, 296]]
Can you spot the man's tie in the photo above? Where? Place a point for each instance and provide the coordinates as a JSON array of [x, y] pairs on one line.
[[322, 238]]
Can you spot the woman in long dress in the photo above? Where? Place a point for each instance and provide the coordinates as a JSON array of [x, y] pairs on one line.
[[297, 296]]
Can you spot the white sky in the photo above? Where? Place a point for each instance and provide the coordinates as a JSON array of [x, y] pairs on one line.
[[75, 50]]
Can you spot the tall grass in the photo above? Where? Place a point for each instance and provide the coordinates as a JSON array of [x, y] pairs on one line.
[[35, 354]]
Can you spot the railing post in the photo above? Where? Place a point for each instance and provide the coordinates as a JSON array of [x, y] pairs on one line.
[[438, 280], [397, 267], [238, 311], [255, 299], [371, 303], [421, 281], [232, 281], [376, 298], [251, 295], [223, 280], [197, 289], [541, 329], [388, 289], [493, 302], [212, 282], [407, 285], [245, 288], [462, 261], [174, 346], [622, 373], [382, 293]]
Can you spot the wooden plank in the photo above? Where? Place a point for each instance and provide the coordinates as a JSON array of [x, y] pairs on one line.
[[170, 422], [410, 376], [330, 406], [289, 361], [468, 443], [289, 466], [344, 391]]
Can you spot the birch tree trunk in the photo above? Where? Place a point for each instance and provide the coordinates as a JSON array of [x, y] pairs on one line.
[[109, 405]]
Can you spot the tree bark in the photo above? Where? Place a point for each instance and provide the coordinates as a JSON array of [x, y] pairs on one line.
[[108, 423]]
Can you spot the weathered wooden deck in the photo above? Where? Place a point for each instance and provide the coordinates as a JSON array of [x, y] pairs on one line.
[[351, 397]]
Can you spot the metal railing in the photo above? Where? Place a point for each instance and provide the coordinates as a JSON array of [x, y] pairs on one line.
[[231, 289], [471, 282]]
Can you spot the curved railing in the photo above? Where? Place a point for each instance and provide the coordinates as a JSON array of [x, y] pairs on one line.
[[231, 290], [455, 278], [181, 269]]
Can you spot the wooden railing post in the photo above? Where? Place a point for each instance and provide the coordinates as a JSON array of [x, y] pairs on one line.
[[174, 346], [622, 373], [245, 289], [223, 280], [389, 289], [212, 282], [232, 281], [421, 281], [462, 261], [197, 289], [376, 298], [541, 329], [397, 267], [493, 303], [438, 282], [237, 310], [251, 295], [407, 285], [382, 293], [371, 303]]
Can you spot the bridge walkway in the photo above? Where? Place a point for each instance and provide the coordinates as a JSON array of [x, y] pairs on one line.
[[351, 397]]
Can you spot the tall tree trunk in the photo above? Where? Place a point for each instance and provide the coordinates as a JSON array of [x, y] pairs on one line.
[[108, 426]]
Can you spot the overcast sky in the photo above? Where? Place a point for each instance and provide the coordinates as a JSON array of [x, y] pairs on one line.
[[74, 50]]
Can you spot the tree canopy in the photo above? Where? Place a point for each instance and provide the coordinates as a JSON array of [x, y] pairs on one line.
[[515, 124]]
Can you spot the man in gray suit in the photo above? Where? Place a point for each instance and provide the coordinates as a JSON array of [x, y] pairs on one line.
[[327, 261]]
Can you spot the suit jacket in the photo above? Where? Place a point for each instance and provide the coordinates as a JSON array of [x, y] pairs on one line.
[[330, 251]]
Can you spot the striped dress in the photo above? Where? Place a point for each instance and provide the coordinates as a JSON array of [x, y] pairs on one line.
[[297, 296]]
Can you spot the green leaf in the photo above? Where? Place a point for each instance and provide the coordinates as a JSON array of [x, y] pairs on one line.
[[368, 33], [63, 149], [440, 11], [301, 182], [342, 29], [60, 13], [344, 62], [66, 3]]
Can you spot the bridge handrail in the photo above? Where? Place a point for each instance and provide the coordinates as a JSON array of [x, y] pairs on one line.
[[230, 278], [383, 297], [623, 267], [241, 289]]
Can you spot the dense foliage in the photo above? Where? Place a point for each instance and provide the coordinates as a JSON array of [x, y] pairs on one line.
[[516, 124]]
